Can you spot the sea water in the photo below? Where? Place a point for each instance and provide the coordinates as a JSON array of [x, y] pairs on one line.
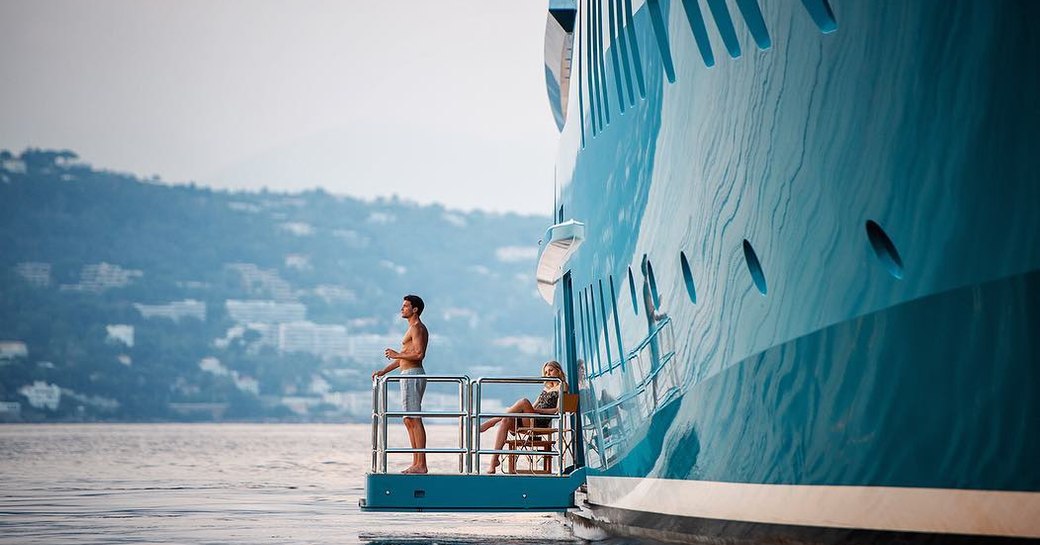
[[223, 483]]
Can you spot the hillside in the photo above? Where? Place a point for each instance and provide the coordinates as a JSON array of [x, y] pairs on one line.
[[129, 299]]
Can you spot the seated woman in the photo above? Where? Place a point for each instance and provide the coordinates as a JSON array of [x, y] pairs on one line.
[[545, 404]]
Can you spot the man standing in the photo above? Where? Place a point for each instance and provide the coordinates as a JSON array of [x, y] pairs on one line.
[[409, 359]]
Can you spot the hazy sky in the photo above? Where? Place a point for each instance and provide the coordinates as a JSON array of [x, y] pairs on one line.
[[437, 101]]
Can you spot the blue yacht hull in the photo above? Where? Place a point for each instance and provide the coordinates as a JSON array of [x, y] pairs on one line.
[[807, 304]]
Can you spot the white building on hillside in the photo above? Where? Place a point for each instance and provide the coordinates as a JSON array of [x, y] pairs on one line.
[[369, 347], [263, 282], [120, 333], [174, 310], [35, 273], [10, 350], [13, 165], [352, 403], [334, 294], [103, 276], [42, 395], [319, 339], [265, 312], [300, 262]]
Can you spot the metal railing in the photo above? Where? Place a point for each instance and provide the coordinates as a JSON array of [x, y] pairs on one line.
[[470, 418], [479, 416], [380, 413]]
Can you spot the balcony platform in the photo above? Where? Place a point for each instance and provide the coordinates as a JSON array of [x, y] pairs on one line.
[[466, 493]]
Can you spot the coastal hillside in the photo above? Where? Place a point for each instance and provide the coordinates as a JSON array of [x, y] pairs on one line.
[[128, 299]]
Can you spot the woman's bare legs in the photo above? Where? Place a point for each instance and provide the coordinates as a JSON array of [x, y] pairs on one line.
[[522, 405], [506, 425]]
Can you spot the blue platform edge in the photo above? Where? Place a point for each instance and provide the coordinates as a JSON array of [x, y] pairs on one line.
[[470, 493]]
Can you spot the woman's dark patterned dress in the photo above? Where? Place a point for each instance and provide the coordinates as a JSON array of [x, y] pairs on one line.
[[548, 399]]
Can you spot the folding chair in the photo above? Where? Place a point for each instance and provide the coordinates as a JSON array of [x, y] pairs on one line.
[[538, 440]]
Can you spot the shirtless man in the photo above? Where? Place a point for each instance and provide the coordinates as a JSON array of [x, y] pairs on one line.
[[409, 359]]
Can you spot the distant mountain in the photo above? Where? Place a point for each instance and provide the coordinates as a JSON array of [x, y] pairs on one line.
[[129, 299]]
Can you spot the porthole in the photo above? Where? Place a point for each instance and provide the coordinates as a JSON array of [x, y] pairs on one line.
[[885, 249], [617, 323], [606, 327], [660, 28], [754, 267], [822, 14], [653, 283], [632, 289], [691, 289]]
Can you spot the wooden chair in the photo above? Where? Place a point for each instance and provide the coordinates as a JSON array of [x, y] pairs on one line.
[[543, 440]]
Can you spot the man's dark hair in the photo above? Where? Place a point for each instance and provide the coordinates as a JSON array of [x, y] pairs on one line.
[[416, 302]]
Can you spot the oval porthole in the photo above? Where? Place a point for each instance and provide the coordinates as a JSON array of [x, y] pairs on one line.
[[822, 14], [691, 289], [884, 249], [653, 283], [632, 289], [754, 267]]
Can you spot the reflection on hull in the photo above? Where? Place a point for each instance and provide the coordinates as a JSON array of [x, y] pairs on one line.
[[890, 389], [802, 309]]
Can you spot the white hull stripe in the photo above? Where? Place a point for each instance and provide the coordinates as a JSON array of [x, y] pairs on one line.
[[936, 510]]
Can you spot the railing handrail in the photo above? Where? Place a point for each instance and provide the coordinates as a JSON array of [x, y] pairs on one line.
[[426, 414], [522, 415], [428, 378], [399, 450], [518, 452], [516, 380]]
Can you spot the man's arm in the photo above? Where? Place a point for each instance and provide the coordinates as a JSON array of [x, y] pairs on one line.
[[417, 351], [386, 369]]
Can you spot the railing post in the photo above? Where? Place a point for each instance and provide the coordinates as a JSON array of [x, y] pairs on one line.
[[559, 436], [375, 426], [382, 407], [463, 423], [475, 428], [461, 432], [597, 421], [469, 427]]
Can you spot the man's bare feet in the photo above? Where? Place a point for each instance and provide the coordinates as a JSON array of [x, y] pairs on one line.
[[409, 469], [419, 471]]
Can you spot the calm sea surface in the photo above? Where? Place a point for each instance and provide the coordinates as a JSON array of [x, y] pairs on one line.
[[220, 483]]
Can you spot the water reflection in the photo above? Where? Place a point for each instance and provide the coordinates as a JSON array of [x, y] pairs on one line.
[[226, 483]]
